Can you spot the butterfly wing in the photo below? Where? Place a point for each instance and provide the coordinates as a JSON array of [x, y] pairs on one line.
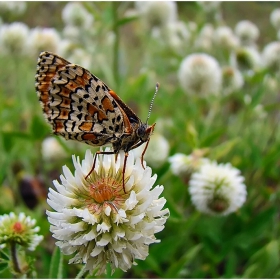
[[76, 103]]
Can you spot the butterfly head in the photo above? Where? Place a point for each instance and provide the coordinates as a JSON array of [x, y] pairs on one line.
[[144, 131]]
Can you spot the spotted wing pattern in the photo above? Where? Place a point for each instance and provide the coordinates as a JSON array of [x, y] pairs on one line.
[[77, 104]]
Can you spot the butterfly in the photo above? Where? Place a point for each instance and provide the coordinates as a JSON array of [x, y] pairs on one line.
[[79, 106]]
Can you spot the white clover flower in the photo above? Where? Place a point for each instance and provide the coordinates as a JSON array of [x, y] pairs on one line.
[[71, 33], [271, 56], [217, 189], [75, 14], [204, 40], [275, 18], [232, 80], [157, 13], [184, 165], [200, 74], [246, 58], [13, 38], [99, 222], [42, 39], [225, 38], [157, 151], [177, 36], [52, 149], [247, 32], [19, 229]]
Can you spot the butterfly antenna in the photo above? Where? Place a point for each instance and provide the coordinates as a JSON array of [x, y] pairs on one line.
[[152, 102]]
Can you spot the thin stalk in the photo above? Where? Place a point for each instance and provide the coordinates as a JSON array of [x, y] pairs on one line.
[[83, 273], [14, 258]]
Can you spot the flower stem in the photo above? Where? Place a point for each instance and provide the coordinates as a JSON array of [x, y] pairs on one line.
[[14, 258], [83, 273]]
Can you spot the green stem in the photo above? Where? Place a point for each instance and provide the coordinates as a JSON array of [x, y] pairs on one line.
[[117, 42], [14, 258], [83, 273]]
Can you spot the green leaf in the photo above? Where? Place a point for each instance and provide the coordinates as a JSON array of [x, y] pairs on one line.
[[56, 269], [126, 20], [4, 266], [223, 149], [263, 263], [4, 256], [176, 267], [39, 129]]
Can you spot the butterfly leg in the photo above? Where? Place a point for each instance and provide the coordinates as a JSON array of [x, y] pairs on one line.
[[144, 151], [124, 167], [94, 160]]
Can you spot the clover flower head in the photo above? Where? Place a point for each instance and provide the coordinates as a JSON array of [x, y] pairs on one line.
[[184, 165], [217, 189], [200, 74], [157, 14], [74, 14], [225, 38], [247, 32], [97, 221], [157, 152], [13, 38], [275, 18], [42, 39], [19, 229]]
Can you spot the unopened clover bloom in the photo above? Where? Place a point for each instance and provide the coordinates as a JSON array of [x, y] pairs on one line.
[[246, 59], [157, 152], [19, 229], [52, 149], [184, 165], [13, 38], [100, 223], [247, 32], [217, 189], [200, 74]]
